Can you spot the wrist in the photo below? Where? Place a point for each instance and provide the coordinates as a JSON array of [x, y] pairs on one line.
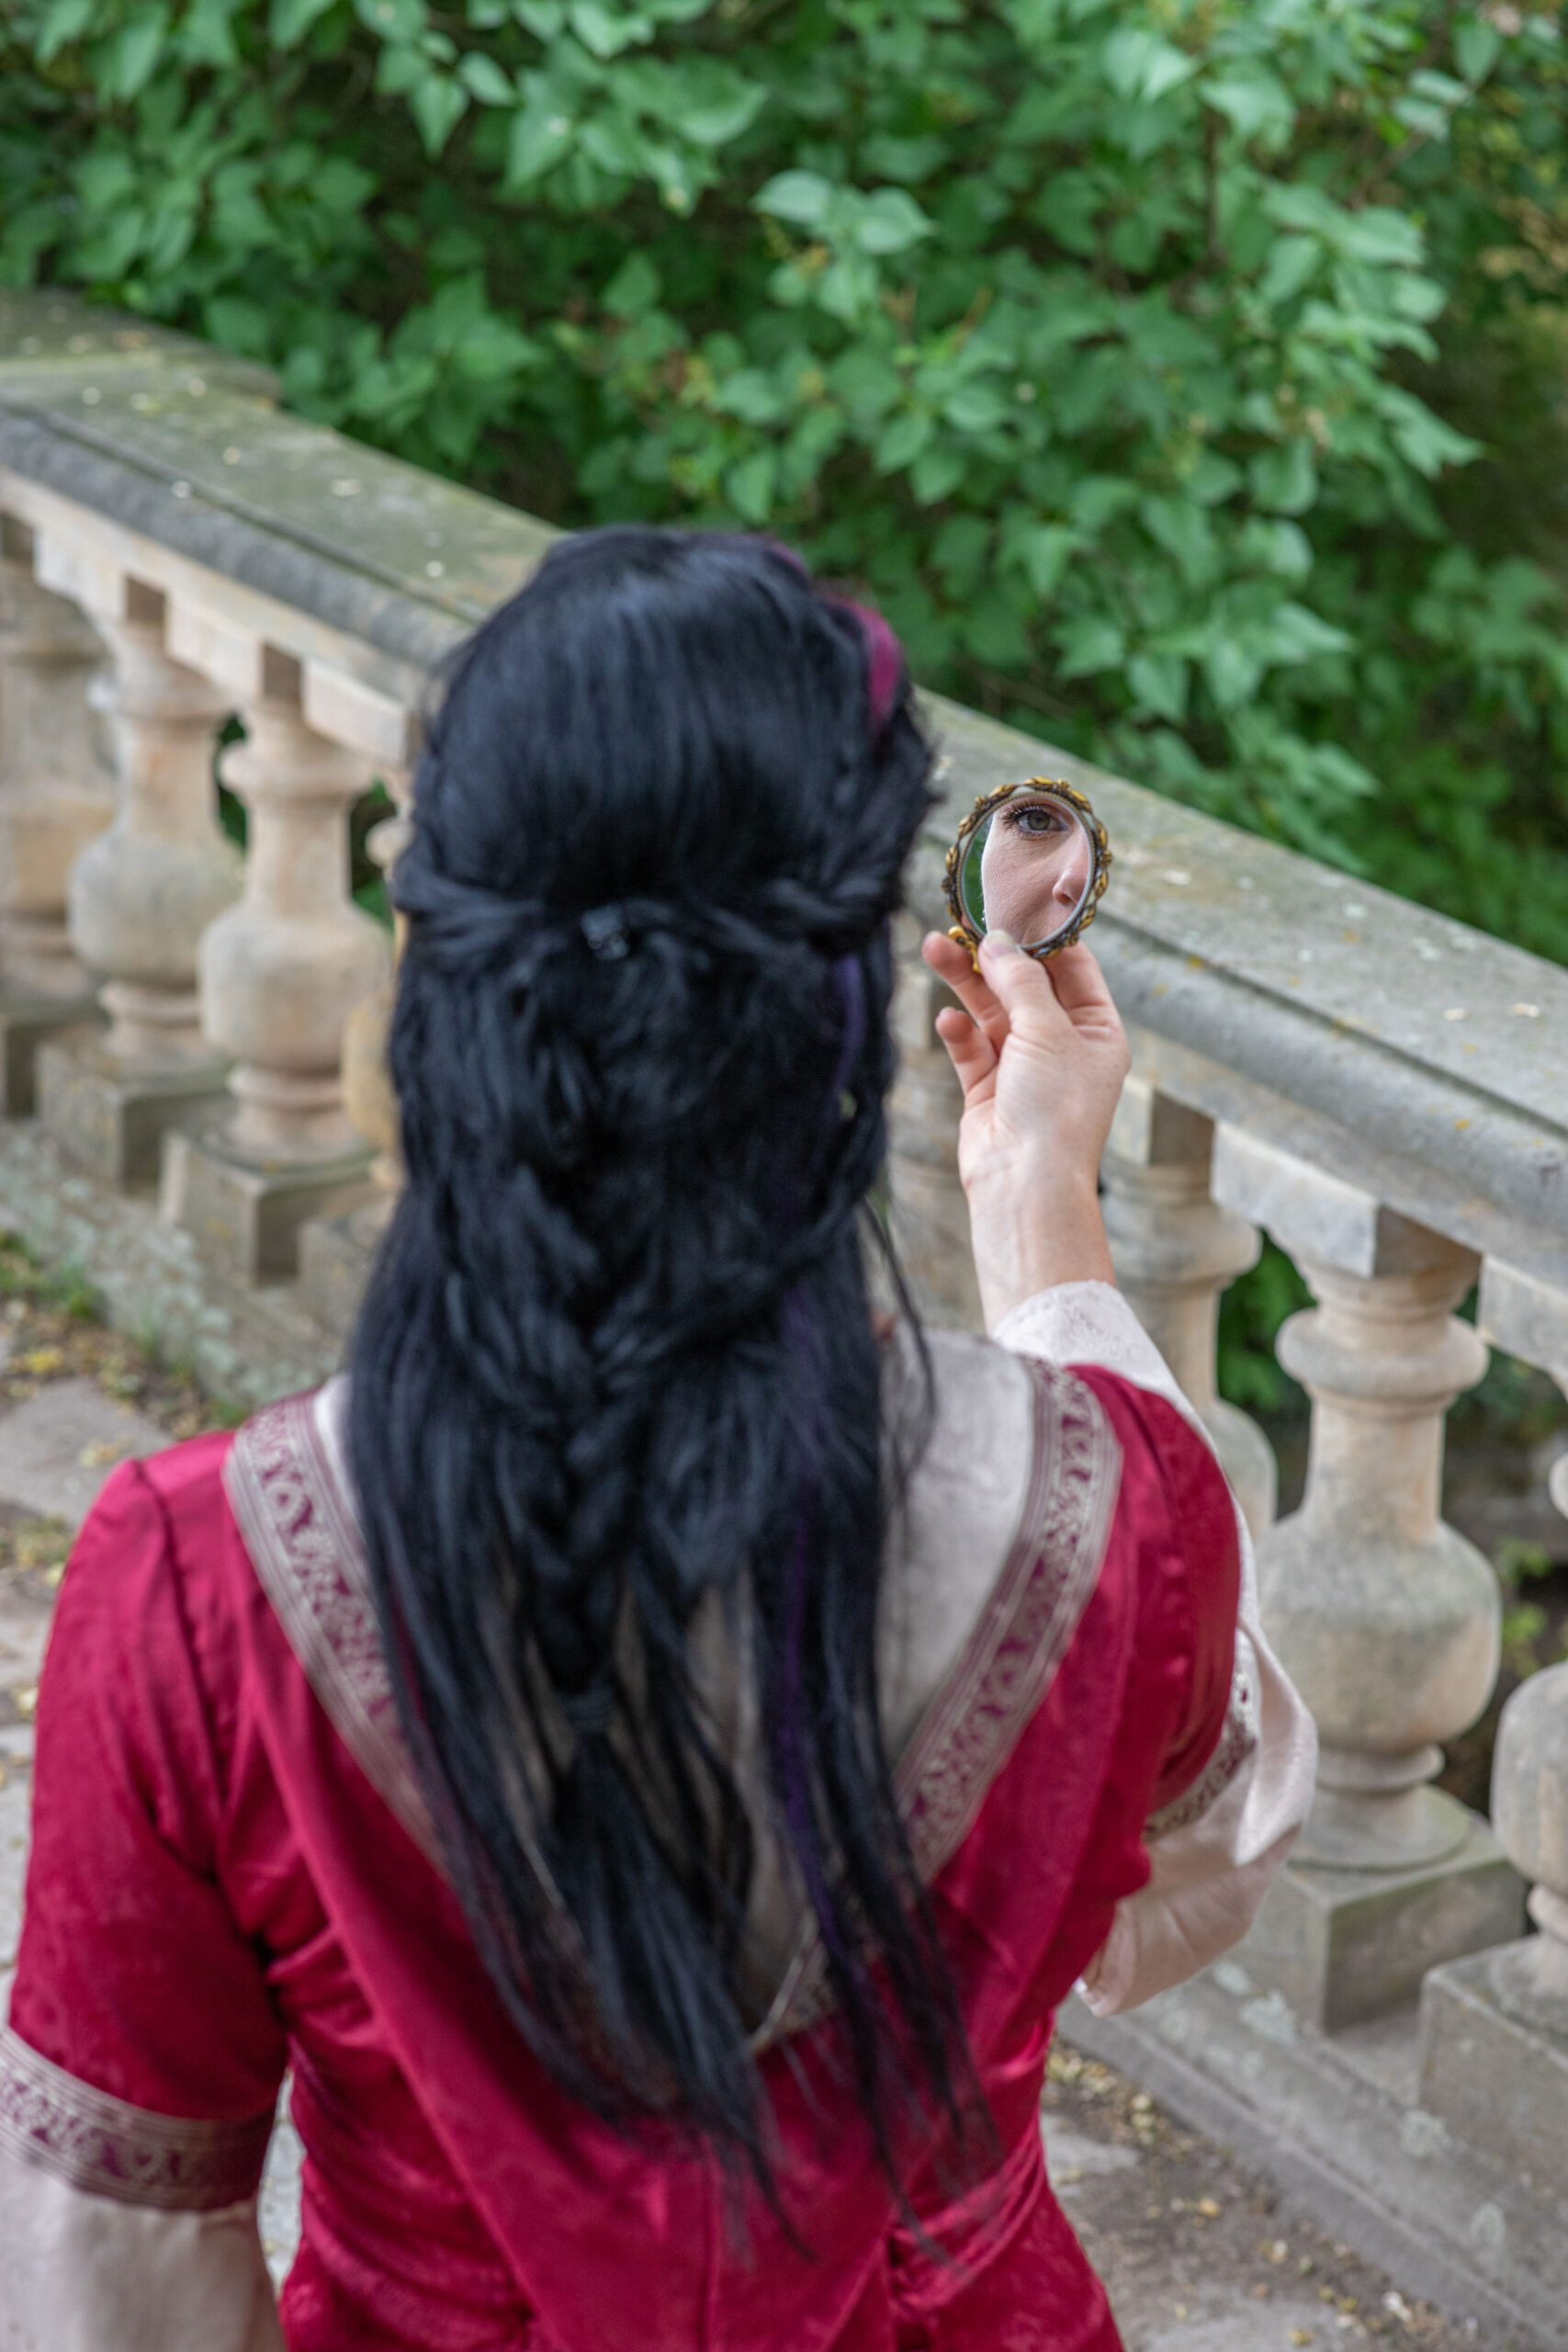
[[1028, 1238]]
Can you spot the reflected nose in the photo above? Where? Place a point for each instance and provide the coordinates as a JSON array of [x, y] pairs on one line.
[[1068, 886]]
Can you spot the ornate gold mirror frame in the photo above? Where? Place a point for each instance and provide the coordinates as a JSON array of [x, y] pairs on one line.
[[963, 927]]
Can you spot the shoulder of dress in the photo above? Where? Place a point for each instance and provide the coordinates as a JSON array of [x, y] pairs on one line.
[[159, 1507], [189, 1469]]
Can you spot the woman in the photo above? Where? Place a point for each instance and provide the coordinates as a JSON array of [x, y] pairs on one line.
[[650, 1748]]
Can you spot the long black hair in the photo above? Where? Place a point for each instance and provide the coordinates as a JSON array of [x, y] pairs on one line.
[[619, 1353]]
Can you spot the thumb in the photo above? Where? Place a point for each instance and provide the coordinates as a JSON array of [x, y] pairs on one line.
[[1022, 985]]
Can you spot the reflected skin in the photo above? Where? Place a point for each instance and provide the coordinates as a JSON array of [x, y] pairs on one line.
[[1034, 868]]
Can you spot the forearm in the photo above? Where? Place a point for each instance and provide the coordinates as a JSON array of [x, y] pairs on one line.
[[1028, 1235]]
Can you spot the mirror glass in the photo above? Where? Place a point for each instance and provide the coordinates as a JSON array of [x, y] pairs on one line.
[[1029, 867]]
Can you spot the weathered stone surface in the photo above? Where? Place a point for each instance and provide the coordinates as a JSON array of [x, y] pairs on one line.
[[142, 894], [1386, 1620], [1495, 2080], [1454, 2224], [180, 442], [1176, 1249], [111, 1120], [49, 331], [54, 791], [28, 1022], [246, 1346], [929, 1217], [15, 1799], [57, 1449], [336, 1255], [24, 1634], [1280, 2326], [245, 1218], [283, 969], [1345, 1945]]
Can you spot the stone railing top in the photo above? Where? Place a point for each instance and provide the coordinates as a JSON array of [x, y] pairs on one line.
[[49, 331], [181, 445], [1414, 1063]]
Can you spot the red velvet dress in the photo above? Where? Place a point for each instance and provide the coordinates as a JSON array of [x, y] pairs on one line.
[[232, 1876]]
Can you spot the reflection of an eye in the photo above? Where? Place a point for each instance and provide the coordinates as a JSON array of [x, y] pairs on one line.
[[1035, 819]]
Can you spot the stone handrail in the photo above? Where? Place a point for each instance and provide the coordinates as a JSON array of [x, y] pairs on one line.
[[1381, 1089]]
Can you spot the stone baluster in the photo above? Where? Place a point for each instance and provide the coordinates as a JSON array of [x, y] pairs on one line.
[[1176, 1250], [929, 1216], [367, 1081], [141, 894], [337, 1253], [55, 796], [281, 973], [1387, 1619], [1494, 2027]]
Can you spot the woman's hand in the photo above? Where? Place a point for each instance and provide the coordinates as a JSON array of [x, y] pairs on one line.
[[1041, 1054]]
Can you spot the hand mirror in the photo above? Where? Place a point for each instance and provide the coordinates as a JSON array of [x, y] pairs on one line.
[[1031, 859]]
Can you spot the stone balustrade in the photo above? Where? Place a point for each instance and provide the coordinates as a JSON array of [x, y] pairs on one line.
[[1380, 1090], [224, 568]]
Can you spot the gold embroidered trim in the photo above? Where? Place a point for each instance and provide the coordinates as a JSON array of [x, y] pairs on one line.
[[1236, 1745], [58, 2125], [977, 1717], [304, 1542]]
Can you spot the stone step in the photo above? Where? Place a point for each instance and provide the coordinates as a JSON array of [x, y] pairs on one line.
[[1332, 2119]]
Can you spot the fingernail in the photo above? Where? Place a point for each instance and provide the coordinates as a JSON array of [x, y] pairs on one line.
[[1003, 941]]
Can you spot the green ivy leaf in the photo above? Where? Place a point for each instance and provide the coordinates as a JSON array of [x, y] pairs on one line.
[[63, 21], [438, 105], [1293, 262], [206, 36], [132, 56], [634, 288], [605, 31], [890, 223], [288, 21], [1285, 480], [994, 634], [801, 197], [1046, 550], [1478, 44], [399, 20], [1232, 672], [902, 440], [936, 473], [1090, 643], [711, 106], [749, 486], [1140, 64], [540, 136], [1255, 105], [484, 79], [1160, 684]]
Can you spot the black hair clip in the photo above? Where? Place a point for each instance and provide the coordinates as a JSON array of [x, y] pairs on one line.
[[604, 929]]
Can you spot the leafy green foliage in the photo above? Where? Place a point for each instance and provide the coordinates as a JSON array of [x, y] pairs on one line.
[[1251, 1311], [1177, 374]]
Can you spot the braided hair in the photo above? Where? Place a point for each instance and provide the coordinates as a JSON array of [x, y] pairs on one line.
[[619, 1354]]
